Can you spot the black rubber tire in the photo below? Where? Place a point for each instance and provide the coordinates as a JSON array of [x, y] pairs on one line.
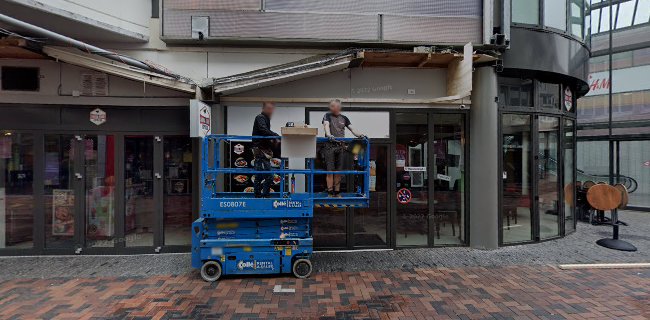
[[302, 268], [211, 271]]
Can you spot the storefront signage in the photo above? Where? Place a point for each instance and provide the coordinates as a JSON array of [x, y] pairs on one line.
[[415, 169], [98, 116], [404, 196], [200, 119], [623, 80]]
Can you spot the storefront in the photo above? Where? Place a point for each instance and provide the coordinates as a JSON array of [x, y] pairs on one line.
[[95, 179], [419, 150]]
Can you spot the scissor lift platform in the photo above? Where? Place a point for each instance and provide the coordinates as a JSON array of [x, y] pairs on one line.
[[237, 233]]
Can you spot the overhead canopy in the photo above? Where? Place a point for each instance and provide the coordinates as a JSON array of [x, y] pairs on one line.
[[305, 68], [459, 74], [20, 48]]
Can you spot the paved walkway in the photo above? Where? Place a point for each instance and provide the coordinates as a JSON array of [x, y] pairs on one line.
[[579, 247], [517, 282], [532, 292]]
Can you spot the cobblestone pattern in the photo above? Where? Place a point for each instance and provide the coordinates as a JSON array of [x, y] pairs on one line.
[[579, 247], [532, 292]]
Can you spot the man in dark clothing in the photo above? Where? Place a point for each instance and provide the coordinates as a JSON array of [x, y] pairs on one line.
[[263, 149], [333, 152]]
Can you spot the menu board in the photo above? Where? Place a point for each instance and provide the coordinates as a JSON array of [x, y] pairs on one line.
[[63, 212], [241, 156]]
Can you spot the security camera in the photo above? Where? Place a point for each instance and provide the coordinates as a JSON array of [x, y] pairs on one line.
[[462, 106]]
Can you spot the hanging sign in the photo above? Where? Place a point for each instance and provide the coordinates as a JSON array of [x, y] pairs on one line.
[[200, 119], [98, 116], [404, 196]]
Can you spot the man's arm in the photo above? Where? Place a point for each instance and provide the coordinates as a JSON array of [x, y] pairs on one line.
[[354, 132], [260, 123], [326, 127]]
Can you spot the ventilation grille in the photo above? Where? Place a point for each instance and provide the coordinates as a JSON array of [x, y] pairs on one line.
[[408, 21], [432, 30], [404, 7]]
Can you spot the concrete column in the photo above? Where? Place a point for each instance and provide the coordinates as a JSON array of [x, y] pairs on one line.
[[485, 151]]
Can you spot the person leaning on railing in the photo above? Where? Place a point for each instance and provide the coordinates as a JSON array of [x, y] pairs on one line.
[[333, 152]]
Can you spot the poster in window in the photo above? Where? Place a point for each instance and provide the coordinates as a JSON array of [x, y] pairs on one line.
[[62, 212]]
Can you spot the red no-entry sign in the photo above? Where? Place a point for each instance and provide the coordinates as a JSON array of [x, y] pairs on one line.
[[404, 196]]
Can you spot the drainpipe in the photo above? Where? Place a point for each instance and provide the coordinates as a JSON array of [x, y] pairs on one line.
[[85, 47]]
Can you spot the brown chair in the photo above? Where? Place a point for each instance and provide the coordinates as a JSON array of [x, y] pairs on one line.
[[588, 184], [604, 197]]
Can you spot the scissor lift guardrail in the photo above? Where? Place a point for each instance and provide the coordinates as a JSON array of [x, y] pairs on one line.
[[237, 233]]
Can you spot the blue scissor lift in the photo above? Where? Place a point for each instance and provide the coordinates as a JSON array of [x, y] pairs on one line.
[[237, 233]]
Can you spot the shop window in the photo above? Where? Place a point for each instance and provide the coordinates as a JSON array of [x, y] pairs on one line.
[[555, 14], [525, 11], [514, 92], [139, 211], [634, 167], [177, 198], [549, 95], [547, 183], [569, 184], [370, 224], [16, 190], [516, 210], [449, 182]]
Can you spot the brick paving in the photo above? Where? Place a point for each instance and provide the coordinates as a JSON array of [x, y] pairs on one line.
[[509, 292]]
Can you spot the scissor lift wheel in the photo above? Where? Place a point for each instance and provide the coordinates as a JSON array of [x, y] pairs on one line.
[[302, 268], [211, 271]]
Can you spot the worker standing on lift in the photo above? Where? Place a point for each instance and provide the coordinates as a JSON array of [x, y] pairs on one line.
[[263, 150], [334, 152]]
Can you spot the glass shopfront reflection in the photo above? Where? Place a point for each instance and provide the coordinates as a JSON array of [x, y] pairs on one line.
[[411, 162], [370, 224], [16, 190], [449, 186], [547, 179], [177, 198], [139, 208], [59, 193], [99, 173], [516, 211]]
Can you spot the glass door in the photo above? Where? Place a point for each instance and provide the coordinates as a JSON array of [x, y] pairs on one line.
[[79, 191], [61, 191], [411, 164], [98, 172], [370, 224]]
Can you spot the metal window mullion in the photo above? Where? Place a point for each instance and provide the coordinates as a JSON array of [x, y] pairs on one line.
[[534, 163], [432, 170], [38, 182], [119, 209], [158, 186]]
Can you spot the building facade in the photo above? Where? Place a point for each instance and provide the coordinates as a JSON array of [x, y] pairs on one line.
[[470, 107], [613, 135]]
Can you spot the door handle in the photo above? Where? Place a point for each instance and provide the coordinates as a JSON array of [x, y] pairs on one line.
[[78, 176]]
